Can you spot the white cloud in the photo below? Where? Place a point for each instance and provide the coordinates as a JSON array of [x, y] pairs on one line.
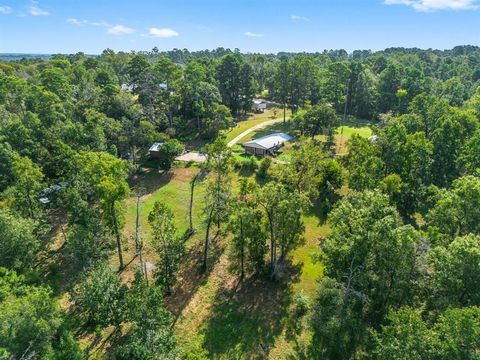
[[35, 10], [433, 5], [5, 9], [77, 22], [120, 30], [252, 34], [299, 18], [99, 23], [162, 33]]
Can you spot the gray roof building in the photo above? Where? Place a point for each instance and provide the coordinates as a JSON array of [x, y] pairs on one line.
[[266, 144]]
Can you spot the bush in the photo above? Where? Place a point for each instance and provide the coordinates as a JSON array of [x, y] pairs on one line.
[[169, 151], [251, 164], [18, 244], [101, 296], [302, 304], [246, 164], [264, 167]]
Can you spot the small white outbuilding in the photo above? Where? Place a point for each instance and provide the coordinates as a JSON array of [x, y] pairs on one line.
[[154, 150]]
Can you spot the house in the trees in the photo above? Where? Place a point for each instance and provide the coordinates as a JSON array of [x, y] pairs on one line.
[[51, 192], [260, 105], [154, 150], [266, 145]]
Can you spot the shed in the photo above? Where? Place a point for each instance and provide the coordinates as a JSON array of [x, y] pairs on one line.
[[154, 150], [266, 144], [260, 105]]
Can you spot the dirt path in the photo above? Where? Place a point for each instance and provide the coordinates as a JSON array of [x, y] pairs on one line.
[[253, 128], [192, 156]]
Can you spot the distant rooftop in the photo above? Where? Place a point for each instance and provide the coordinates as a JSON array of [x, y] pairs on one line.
[[269, 141], [373, 138], [156, 146]]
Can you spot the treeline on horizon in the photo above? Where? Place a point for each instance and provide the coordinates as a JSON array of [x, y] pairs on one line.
[[181, 56]]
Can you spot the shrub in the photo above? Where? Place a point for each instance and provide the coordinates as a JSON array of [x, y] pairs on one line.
[[264, 167], [302, 304], [247, 164], [169, 151], [101, 296], [251, 164]]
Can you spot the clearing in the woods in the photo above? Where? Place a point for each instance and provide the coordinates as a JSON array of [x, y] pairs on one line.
[[216, 315]]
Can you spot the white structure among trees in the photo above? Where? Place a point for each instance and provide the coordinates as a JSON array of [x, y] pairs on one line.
[[266, 144]]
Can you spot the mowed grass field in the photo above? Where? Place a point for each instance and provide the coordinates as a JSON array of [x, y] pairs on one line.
[[216, 315], [252, 121]]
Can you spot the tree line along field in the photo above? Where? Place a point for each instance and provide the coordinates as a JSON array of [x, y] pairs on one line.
[[357, 239]]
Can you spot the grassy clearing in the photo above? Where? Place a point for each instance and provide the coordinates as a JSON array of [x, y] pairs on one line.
[[305, 256], [217, 316], [172, 188], [252, 121], [346, 131], [349, 131], [343, 134]]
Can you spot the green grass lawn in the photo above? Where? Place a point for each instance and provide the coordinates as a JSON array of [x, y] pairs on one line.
[[349, 131], [172, 188], [306, 255], [252, 121], [226, 319]]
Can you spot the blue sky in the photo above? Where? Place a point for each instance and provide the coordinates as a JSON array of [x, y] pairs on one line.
[[68, 26]]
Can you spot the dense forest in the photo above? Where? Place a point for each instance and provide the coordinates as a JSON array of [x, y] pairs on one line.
[[398, 210]]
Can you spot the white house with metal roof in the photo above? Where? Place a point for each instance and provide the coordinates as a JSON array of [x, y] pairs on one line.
[[266, 144]]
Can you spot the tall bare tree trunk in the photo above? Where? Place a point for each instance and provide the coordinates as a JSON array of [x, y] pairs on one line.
[[190, 210], [242, 253], [117, 236], [137, 226], [207, 235], [272, 244]]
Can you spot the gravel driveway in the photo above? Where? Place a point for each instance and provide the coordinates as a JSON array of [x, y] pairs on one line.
[[253, 128]]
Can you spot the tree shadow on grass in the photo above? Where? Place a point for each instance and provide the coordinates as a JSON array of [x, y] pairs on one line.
[[245, 321], [319, 211], [151, 180], [190, 276]]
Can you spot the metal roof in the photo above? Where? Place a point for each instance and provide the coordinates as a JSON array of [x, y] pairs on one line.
[[373, 138], [156, 146], [269, 141]]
